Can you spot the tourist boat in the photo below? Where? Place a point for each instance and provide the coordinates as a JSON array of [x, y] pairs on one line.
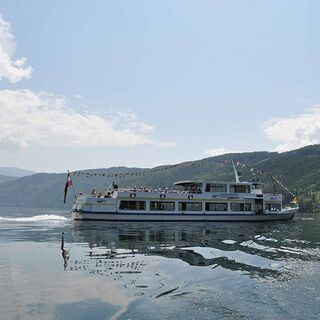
[[188, 201]]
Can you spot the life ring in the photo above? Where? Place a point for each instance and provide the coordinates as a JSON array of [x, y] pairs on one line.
[[162, 196], [190, 196], [132, 195]]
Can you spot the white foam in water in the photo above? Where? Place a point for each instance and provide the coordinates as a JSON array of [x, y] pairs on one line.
[[43, 217], [229, 241]]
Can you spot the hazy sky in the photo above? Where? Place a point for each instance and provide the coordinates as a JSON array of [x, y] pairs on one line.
[[88, 84]]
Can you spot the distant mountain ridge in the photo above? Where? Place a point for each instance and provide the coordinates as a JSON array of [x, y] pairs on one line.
[[15, 172], [298, 169], [4, 178]]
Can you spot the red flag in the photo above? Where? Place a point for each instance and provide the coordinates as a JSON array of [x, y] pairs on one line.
[[68, 184]]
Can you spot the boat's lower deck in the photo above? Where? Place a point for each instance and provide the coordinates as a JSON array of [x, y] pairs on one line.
[[148, 216]]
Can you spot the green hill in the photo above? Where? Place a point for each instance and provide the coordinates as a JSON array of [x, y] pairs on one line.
[[298, 169]]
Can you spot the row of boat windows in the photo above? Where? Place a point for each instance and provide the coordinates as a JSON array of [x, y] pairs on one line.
[[183, 206], [215, 187]]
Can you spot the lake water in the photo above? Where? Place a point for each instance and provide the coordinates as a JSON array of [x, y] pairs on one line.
[[106, 270]]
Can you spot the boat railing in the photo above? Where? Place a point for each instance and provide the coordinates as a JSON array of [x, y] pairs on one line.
[[109, 193], [147, 190]]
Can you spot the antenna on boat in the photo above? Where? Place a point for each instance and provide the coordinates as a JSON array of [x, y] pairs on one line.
[[274, 186], [235, 172]]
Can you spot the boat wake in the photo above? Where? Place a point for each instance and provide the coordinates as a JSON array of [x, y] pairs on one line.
[[43, 217]]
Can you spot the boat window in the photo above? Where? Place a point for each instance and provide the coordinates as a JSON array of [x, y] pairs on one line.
[[237, 206], [239, 188], [190, 187], [190, 206], [273, 206], [241, 206], [161, 206], [216, 187], [216, 206], [132, 205]]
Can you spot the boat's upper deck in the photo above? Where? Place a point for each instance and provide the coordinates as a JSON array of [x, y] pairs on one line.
[[196, 189], [219, 186]]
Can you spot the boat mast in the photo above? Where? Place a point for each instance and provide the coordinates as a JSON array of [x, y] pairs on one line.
[[235, 172]]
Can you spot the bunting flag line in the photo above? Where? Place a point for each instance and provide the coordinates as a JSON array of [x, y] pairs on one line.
[[133, 174], [254, 170]]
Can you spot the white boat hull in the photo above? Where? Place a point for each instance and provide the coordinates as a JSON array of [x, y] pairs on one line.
[[286, 214]]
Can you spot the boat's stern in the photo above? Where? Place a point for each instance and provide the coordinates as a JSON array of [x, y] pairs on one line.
[[76, 215], [89, 204]]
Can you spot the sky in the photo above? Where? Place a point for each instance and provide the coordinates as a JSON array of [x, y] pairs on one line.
[[92, 84]]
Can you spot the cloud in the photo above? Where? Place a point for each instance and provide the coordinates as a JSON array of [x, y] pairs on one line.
[[166, 144], [29, 118], [295, 132], [217, 152], [129, 121], [12, 70]]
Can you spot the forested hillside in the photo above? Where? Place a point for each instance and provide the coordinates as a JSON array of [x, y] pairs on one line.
[[299, 170]]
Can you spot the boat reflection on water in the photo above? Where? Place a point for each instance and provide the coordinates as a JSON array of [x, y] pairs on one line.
[[141, 254]]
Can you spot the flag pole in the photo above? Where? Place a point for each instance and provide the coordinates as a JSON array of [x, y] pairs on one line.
[[74, 192], [68, 184]]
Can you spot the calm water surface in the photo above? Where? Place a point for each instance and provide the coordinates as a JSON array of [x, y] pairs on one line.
[[106, 270]]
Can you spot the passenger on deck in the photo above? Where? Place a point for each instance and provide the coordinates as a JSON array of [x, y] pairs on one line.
[[94, 193], [114, 185]]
